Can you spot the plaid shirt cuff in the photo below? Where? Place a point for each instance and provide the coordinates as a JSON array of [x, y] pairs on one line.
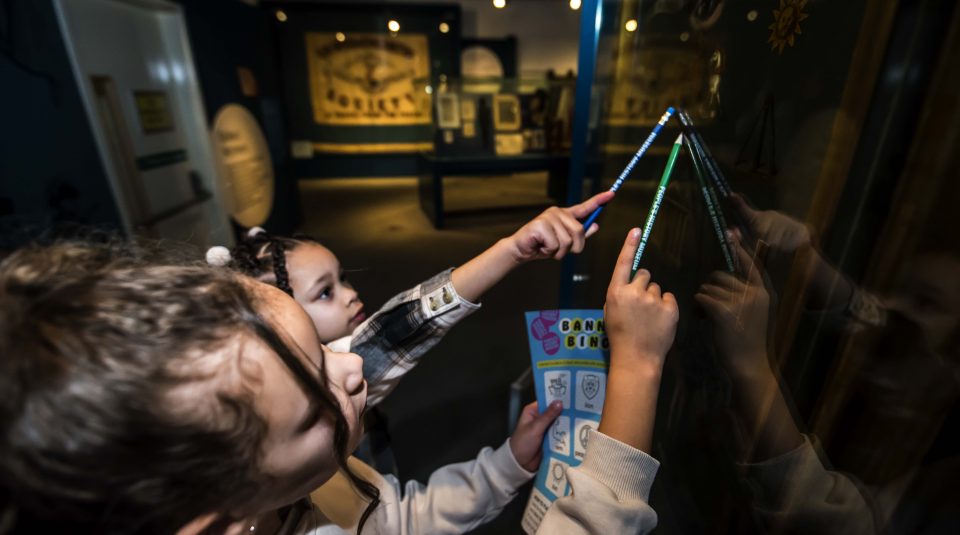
[[393, 339]]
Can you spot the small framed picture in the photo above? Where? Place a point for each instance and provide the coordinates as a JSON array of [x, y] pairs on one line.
[[508, 144], [468, 110], [506, 112], [448, 110]]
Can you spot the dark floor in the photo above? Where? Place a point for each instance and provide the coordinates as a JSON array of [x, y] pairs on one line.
[[455, 402]]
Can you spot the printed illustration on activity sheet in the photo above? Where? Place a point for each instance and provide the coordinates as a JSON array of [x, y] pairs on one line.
[[569, 354]]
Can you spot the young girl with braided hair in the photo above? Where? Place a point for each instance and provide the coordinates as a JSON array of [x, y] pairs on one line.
[[393, 339]]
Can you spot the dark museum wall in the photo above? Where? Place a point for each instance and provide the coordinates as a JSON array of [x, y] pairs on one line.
[[50, 171], [226, 35], [51, 174]]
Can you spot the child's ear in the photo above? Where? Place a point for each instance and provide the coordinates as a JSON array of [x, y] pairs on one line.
[[215, 524]]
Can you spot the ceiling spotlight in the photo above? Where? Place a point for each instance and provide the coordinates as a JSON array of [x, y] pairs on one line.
[[631, 25], [499, 4], [340, 37], [575, 4], [444, 27], [393, 26], [281, 16]]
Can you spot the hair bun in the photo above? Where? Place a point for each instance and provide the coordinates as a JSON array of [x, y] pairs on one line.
[[254, 231], [218, 256]]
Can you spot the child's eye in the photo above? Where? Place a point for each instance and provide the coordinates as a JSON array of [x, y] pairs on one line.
[[324, 294]]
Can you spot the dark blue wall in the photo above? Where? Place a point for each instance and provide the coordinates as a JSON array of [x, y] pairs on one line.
[[224, 35], [51, 176]]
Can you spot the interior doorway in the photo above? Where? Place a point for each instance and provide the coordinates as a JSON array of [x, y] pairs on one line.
[[134, 67]]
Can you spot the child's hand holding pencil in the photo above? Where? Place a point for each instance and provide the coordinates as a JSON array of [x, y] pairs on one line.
[[556, 232]]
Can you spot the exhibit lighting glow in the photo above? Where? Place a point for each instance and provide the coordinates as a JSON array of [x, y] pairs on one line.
[[178, 74], [428, 89], [752, 15], [341, 37], [631, 25], [575, 4], [444, 27], [499, 4], [281, 16], [393, 26]]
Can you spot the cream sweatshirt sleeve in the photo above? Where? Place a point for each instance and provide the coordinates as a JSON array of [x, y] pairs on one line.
[[456, 498], [609, 492]]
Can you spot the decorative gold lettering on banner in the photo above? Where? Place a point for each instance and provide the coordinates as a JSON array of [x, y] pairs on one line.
[[369, 79]]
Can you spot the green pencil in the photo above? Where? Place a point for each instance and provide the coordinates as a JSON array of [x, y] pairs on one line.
[[657, 200]]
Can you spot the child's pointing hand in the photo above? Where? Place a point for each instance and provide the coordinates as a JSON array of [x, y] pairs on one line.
[[556, 231]]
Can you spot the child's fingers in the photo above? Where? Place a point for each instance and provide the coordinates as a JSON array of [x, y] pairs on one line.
[[528, 413], [720, 291], [564, 240], [587, 207], [746, 262], [671, 301], [621, 272], [556, 240], [541, 422], [592, 230], [654, 289], [714, 307], [725, 280], [575, 230], [749, 214], [641, 278], [546, 238]]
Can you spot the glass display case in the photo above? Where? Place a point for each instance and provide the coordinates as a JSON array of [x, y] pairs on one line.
[[806, 390], [491, 126], [500, 116]]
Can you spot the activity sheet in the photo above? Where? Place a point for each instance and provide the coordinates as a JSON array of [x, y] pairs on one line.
[[570, 354]]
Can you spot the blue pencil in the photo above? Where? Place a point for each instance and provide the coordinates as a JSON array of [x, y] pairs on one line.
[[633, 161]]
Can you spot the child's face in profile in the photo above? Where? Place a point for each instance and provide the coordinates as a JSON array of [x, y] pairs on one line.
[[298, 452], [319, 286]]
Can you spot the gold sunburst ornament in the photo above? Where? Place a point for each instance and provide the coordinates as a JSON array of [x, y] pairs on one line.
[[786, 24]]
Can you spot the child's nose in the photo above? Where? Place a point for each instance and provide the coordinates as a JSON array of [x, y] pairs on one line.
[[351, 295]]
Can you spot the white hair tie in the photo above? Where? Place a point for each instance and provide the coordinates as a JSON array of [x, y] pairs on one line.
[[218, 256], [254, 231]]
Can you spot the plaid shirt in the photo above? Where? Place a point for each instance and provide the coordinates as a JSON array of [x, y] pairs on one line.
[[393, 339]]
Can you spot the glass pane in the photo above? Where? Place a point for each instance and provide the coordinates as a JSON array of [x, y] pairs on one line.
[[814, 389]]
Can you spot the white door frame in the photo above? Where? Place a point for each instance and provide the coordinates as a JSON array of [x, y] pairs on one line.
[[195, 125]]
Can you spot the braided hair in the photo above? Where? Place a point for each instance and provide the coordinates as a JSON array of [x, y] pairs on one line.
[[263, 256]]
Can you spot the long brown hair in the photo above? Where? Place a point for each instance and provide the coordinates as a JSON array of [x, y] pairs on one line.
[[92, 343]]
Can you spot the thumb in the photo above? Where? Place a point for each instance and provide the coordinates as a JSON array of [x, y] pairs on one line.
[[542, 421]]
